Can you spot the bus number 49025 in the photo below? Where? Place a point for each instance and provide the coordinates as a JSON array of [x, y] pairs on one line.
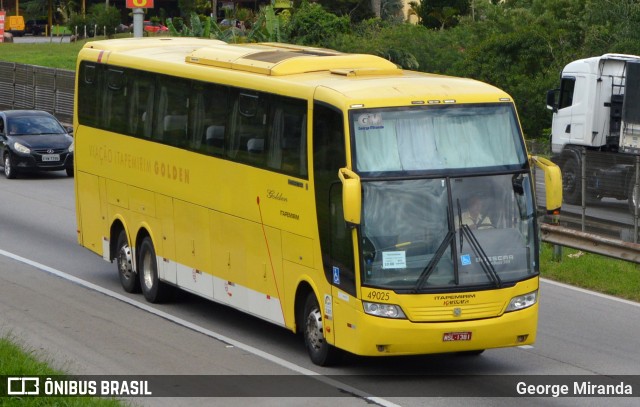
[[378, 295]]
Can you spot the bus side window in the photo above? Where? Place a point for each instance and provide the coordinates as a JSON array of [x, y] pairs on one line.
[[287, 137], [208, 116], [89, 103], [141, 107], [248, 122], [115, 102], [174, 127], [171, 120]]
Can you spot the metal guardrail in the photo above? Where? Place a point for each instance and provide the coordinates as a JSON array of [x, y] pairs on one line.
[[590, 242], [35, 87], [598, 226]]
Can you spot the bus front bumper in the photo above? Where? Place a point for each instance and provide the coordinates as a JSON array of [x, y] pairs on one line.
[[374, 336]]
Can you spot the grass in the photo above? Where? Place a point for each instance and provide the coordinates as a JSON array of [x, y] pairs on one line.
[[15, 361], [54, 54], [591, 271]]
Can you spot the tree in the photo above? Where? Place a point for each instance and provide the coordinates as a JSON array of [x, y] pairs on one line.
[[99, 20], [516, 62], [441, 14], [392, 10], [376, 7], [106, 18], [311, 24], [356, 10], [612, 26], [415, 9], [521, 46], [187, 7]]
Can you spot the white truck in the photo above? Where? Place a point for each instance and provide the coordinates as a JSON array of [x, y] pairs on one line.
[[596, 118]]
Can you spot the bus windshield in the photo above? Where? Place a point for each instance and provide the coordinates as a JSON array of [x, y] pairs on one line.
[[439, 137], [448, 233]]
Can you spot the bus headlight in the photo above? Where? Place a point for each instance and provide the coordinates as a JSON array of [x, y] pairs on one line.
[[21, 149], [383, 310], [522, 301]]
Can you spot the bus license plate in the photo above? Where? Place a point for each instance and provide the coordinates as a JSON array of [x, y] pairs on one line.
[[50, 157], [456, 336]]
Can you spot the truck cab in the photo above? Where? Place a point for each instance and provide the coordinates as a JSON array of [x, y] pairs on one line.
[[587, 118]]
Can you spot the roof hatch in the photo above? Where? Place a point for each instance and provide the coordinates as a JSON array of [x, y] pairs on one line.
[[284, 59]]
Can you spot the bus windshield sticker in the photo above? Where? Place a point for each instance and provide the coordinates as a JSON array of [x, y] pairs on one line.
[[336, 275], [370, 121], [465, 259], [394, 260]]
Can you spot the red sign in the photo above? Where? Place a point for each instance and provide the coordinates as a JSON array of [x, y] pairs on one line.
[[139, 3], [2, 14]]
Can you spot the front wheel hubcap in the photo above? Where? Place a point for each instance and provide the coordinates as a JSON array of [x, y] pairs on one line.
[[125, 263], [314, 329]]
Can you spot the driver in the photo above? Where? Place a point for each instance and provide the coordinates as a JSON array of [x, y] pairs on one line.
[[475, 215]]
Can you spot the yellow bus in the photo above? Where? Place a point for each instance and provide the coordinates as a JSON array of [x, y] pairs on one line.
[[322, 191]]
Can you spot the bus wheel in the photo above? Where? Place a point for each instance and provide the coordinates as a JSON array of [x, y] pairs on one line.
[[124, 261], [154, 290], [320, 352]]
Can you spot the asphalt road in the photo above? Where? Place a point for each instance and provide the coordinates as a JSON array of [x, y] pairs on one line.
[[66, 304]]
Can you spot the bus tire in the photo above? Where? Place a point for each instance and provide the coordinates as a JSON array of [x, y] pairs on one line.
[[154, 290], [124, 261], [320, 351]]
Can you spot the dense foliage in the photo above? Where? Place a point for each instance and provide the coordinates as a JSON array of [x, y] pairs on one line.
[[311, 24]]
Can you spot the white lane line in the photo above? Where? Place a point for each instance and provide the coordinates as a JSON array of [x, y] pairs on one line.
[[589, 292], [248, 348]]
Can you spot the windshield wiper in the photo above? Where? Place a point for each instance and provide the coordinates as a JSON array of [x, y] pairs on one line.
[[460, 222], [426, 272], [485, 263]]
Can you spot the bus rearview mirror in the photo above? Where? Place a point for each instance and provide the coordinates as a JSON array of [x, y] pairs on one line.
[[351, 195], [552, 183]]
